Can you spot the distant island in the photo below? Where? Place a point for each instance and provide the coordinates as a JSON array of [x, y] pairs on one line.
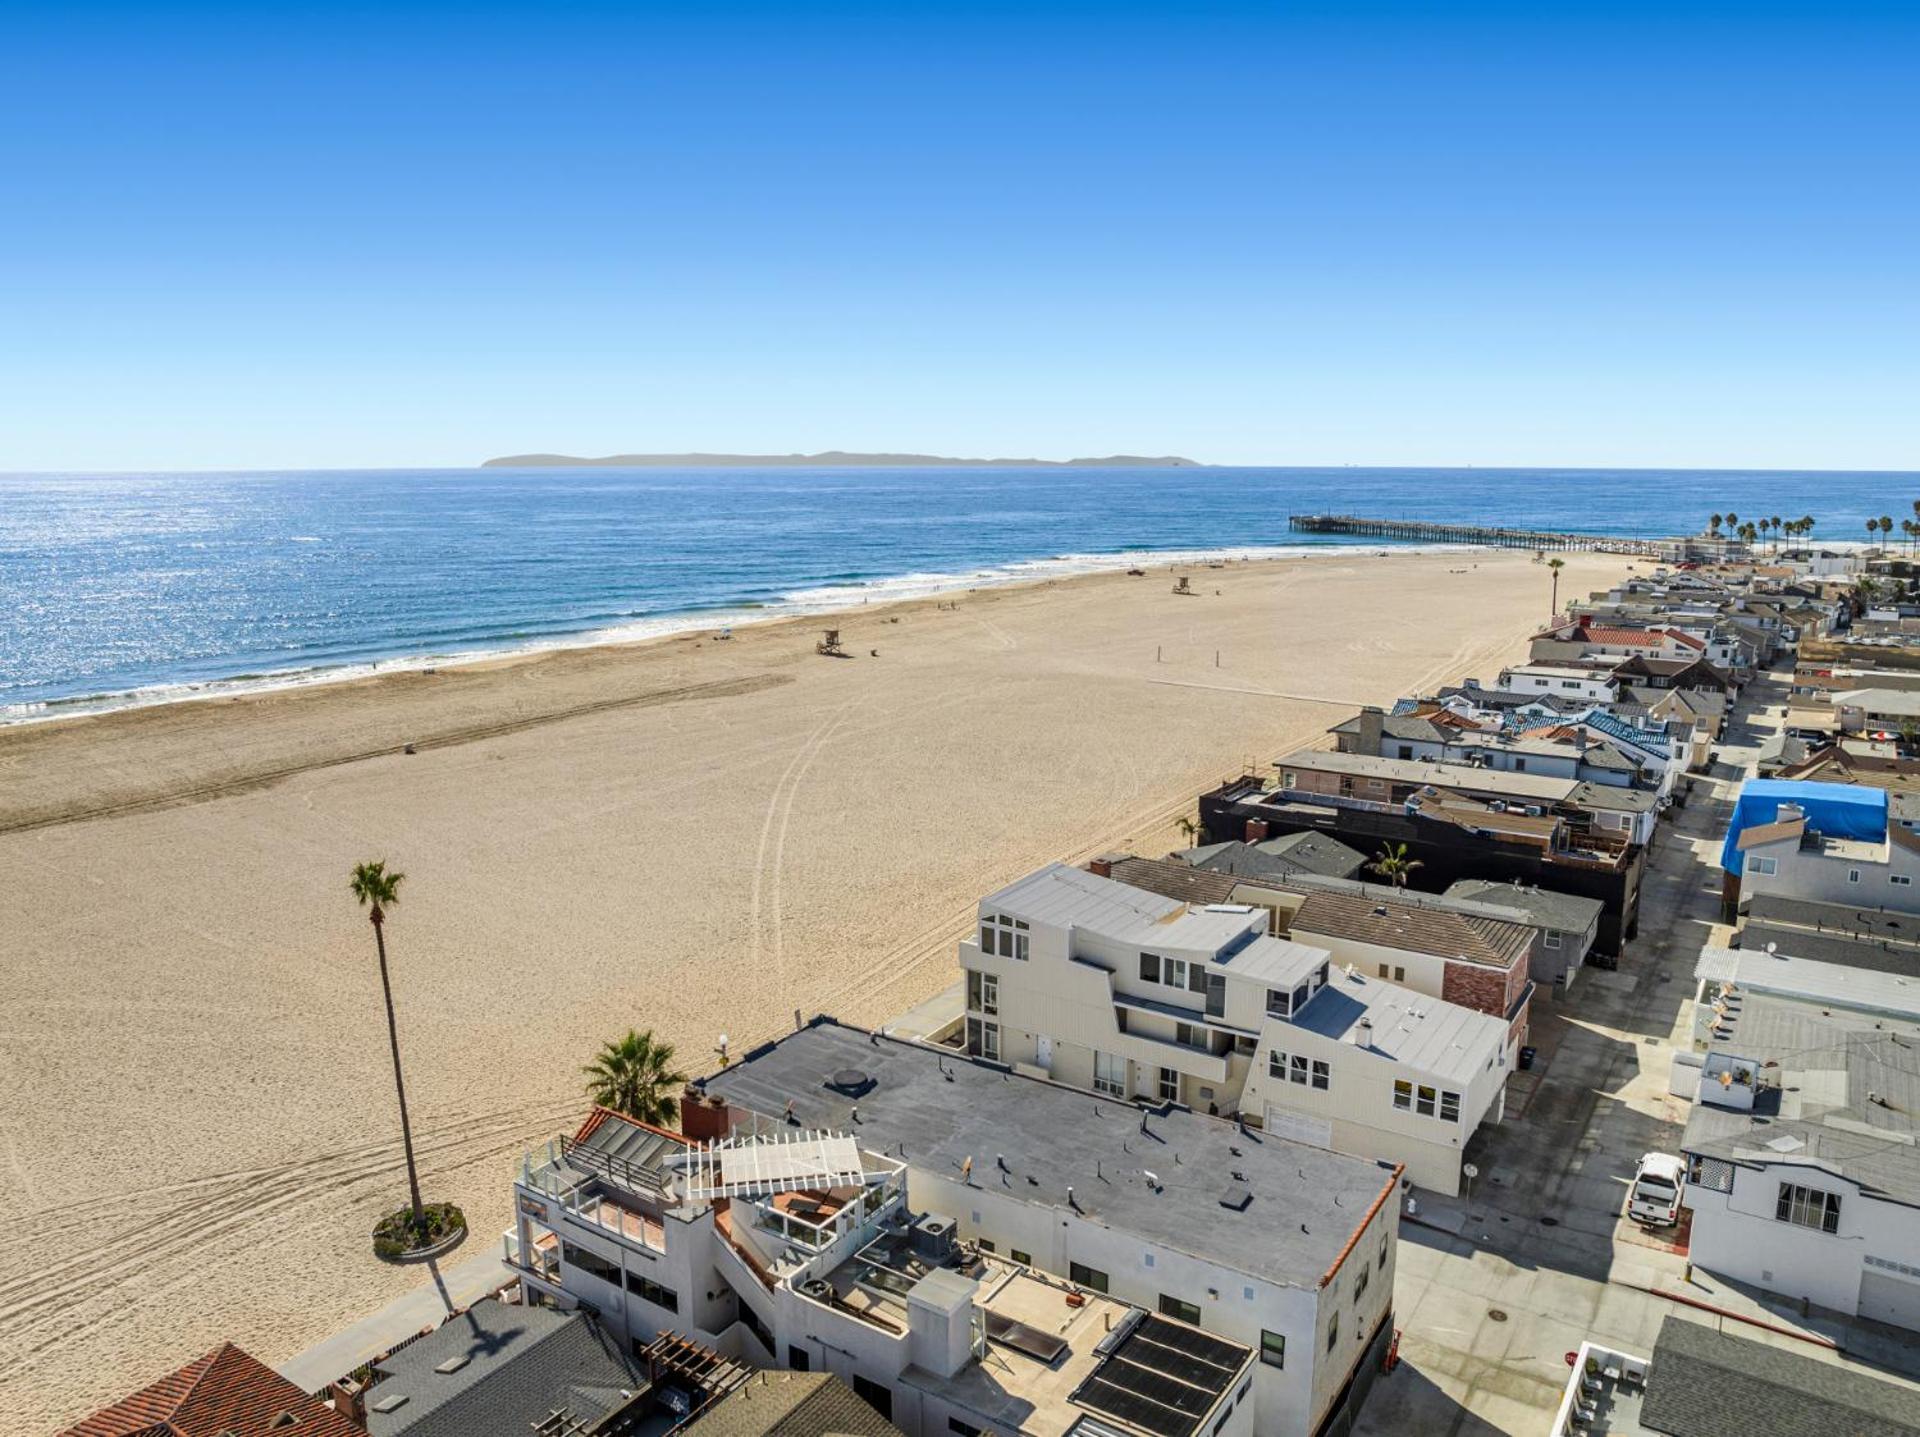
[[830, 459]]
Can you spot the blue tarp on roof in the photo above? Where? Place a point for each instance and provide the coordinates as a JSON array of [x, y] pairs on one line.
[[1837, 809]]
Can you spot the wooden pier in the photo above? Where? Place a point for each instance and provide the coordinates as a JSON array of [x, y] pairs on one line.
[[1422, 532]]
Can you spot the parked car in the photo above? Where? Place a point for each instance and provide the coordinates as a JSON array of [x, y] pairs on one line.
[[1655, 1197]]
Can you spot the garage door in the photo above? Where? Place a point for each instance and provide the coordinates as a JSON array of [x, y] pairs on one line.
[[1316, 1132], [1887, 1297]]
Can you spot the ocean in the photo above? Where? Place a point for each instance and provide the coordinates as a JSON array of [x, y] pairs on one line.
[[141, 588]]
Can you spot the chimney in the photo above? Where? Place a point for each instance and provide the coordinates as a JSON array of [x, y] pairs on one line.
[[1102, 867], [704, 1118], [1372, 722], [1256, 830]]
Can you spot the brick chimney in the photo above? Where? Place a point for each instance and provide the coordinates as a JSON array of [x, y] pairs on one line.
[[704, 1118], [1256, 829], [1102, 867]]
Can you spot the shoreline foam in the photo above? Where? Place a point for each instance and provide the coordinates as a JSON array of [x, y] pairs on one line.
[[798, 603]]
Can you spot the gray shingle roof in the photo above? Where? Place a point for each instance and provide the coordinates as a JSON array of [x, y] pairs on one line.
[[936, 1109], [791, 1404], [1565, 912], [520, 1364], [1703, 1383], [1435, 931]]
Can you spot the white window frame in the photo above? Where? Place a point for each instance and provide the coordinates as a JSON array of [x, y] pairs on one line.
[[1002, 936], [1104, 1078], [1403, 1095], [1900, 880], [1765, 867], [1550, 939]]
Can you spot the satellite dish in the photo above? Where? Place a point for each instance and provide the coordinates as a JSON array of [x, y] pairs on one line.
[[1469, 1171]]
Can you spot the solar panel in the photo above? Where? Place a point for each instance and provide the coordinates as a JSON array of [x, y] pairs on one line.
[[1164, 1378], [1192, 1340]]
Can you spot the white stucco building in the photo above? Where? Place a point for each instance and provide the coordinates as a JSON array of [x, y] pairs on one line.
[[1087, 981]]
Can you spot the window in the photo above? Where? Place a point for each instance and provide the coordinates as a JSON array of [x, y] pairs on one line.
[[876, 1395], [1322, 1074], [1286, 778], [1080, 1275], [1406, 750], [1383, 970], [1402, 1094], [1399, 974], [1450, 1107], [1110, 1075], [984, 1245], [1188, 1036], [797, 1359], [1766, 866], [983, 993], [1025, 1259], [1169, 1085], [1808, 1207], [1333, 1331], [653, 1292], [1853, 875], [1519, 765], [1276, 1064], [1298, 1070], [1003, 935], [1899, 880], [581, 1260], [1424, 1107], [962, 1429], [983, 1039], [1360, 1284], [1149, 967], [1383, 1255], [1173, 972], [1551, 939], [1184, 1311], [1276, 1003], [1273, 1348], [1300, 996]]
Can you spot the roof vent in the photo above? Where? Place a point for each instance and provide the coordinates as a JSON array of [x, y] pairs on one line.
[[1379, 910], [851, 1081], [453, 1364], [391, 1404], [1236, 1197], [285, 1419]]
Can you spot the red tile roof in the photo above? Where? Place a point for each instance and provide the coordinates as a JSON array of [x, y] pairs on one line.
[[600, 1115], [226, 1391]]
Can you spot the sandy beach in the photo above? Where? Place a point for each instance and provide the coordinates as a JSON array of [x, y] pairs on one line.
[[690, 835]]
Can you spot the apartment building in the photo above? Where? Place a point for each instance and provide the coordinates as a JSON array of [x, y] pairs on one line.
[[1263, 1246], [1115, 990]]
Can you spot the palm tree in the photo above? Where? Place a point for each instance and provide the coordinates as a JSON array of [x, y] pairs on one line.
[[378, 890], [1189, 830], [1733, 520], [1713, 524], [635, 1076], [1873, 527], [1774, 524], [1554, 566], [1806, 523], [1392, 864], [1886, 526]]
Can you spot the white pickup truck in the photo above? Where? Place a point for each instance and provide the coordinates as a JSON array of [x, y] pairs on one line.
[[1655, 1198]]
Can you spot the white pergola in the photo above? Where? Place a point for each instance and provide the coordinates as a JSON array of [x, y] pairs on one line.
[[762, 1166]]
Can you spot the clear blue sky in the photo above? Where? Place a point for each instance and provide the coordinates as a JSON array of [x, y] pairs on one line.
[[393, 234]]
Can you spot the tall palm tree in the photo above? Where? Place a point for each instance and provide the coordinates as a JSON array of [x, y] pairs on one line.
[[1189, 830], [1713, 524], [1873, 527], [1774, 524], [1733, 520], [1554, 566], [378, 890], [1886, 525], [1806, 523], [1392, 864], [635, 1075]]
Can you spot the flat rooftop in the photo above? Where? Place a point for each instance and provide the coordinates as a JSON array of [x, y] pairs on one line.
[[1049, 1363], [1431, 1035], [936, 1110], [1072, 897]]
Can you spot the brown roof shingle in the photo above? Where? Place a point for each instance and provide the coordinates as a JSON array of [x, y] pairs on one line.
[[1434, 931]]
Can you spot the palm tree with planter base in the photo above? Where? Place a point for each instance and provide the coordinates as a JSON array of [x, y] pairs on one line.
[[416, 1227]]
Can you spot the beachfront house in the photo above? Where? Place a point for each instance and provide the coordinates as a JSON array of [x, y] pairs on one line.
[[1823, 843], [972, 1251], [1270, 1261], [1563, 681], [1132, 993]]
